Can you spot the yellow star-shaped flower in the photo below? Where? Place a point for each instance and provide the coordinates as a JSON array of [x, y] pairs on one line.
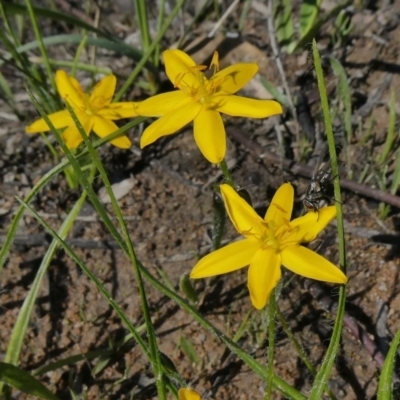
[[95, 111], [201, 100], [270, 243], [188, 394]]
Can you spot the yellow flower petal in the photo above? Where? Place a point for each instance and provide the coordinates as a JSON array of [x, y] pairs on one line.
[[103, 92], [59, 119], [237, 106], [188, 394], [264, 274], [311, 224], [104, 127], [70, 90], [234, 77], [246, 221], [161, 104], [170, 123], [280, 209], [75, 84], [210, 136], [116, 111], [72, 137], [180, 68], [229, 258], [305, 262]]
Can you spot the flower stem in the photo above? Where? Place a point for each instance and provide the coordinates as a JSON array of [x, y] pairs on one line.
[[271, 343], [227, 174]]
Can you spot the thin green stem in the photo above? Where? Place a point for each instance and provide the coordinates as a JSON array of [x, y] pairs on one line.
[[323, 374], [142, 19], [160, 21], [42, 49], [271, 343], [227, 174], [150, 51]]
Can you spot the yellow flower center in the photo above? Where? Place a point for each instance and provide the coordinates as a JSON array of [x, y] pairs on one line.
[[203, 89], [88, 105], [277, 237]]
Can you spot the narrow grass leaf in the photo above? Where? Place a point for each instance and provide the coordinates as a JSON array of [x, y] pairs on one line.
[[142, 20], [26, 383], [219, 219], [75, 38], [151, 49], [390, 137], [312, 32], [243, 327], [41, 45], [9, 96], [344, 94], [271, 343], [189, 350], [71, 360], [275, 93], [19, 9], [386, 387], [396, 174], [186, 285], [309, 10], [323, 374], [284, 27]]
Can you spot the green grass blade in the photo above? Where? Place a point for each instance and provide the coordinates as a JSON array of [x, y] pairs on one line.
[[41, 46], [386, 386], [309, 10], [93, 69], [19, 9], [344, 94], [150, 51], [271, 342], [323, 374], [9, 96], [396, 174], [26, 383], [71, 360], [312, 32], [142, 20], [189, 350], [276, 94], [390, 137], [283, 23], [114, 45]]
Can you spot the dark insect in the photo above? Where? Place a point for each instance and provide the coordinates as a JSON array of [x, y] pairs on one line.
[[319, 187]]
